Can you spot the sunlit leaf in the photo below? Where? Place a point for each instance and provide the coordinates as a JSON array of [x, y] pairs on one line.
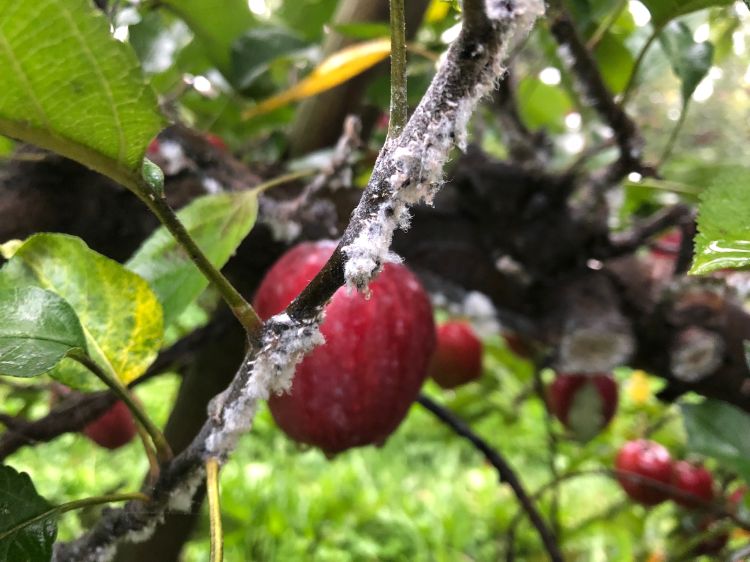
[[723, 239], [334, 70], [120, 315], [218, 223], [543, 105], [20, 503], [69, 86], [690, 61], [38, 329]]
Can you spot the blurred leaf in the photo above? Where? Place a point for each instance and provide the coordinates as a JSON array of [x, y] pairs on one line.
[[216, 26], [120, 315], [101, 114], [723, 238], [310, 19], [38, 330], [615, 61], [662, 11], [721, 431], [690, 61], [253, 53], [543, 105], [334, 70], [20, 502], [218, 224], [367, 30]]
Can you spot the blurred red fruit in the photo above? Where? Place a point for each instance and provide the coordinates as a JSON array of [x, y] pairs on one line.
[[693, 480], [458, 357], [113, 429], [650, 465], [584, 403]]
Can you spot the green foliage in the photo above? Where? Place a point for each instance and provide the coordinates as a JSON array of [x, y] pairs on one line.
[[120, 315], [218, 223], [254, 51], [20, 502], [38, 329], [543, 105], [215, 28], [663, 11], [723, 238], [91, 105], [721, 431], [690, 61]]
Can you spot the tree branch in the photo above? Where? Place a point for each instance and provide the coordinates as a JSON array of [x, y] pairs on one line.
[[504, 470], [409, 169]]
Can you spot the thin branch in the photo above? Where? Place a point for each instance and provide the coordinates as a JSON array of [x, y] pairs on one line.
[[504, 470], [632, 81], [214, 510], [630, 240], [399, 104], [595, 90]]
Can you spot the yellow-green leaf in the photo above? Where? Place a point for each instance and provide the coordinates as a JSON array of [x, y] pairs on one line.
[[341, 66], [69, 86], [120, 315]]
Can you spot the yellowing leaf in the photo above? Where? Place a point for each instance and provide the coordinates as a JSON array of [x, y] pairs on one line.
[[639, 387], [119, 313], [437, 11], [341, 66]]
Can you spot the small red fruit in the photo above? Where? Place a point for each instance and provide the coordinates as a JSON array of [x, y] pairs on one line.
[[693, 480], [216, 141], [584, 403], [650, 465], [458, 357], [113, 429], [356, 388]]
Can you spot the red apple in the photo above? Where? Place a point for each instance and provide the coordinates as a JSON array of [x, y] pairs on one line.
[[458, 356], [356, 388], [113, 429], [650, 465], [584, 403], [693, 480]]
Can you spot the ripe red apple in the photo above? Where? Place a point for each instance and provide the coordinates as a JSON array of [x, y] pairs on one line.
[[458, 356], [584, 403], [648, 462], [693, 480], [356, 388], [113, 429]]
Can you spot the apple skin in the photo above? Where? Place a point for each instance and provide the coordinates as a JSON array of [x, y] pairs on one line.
[[645, 459], [458, 356], [355, 389], [113, 429], [693, 480], [584, 419]]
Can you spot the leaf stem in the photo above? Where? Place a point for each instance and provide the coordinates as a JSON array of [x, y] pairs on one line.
[[70, 506], [163, 451], [278, 180], [236, 302], [673, 135], [630, 87], [214, 510], [399, 104]]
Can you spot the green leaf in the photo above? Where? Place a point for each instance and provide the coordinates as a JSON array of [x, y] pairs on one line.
[[120, 315], [543, 105], [663, 11], [216, 27], [721, 431], [690, 61], [615, 62], [723, 238], [253, 53], [218, 223], [20, 502], [38, 329], [69, 86]]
